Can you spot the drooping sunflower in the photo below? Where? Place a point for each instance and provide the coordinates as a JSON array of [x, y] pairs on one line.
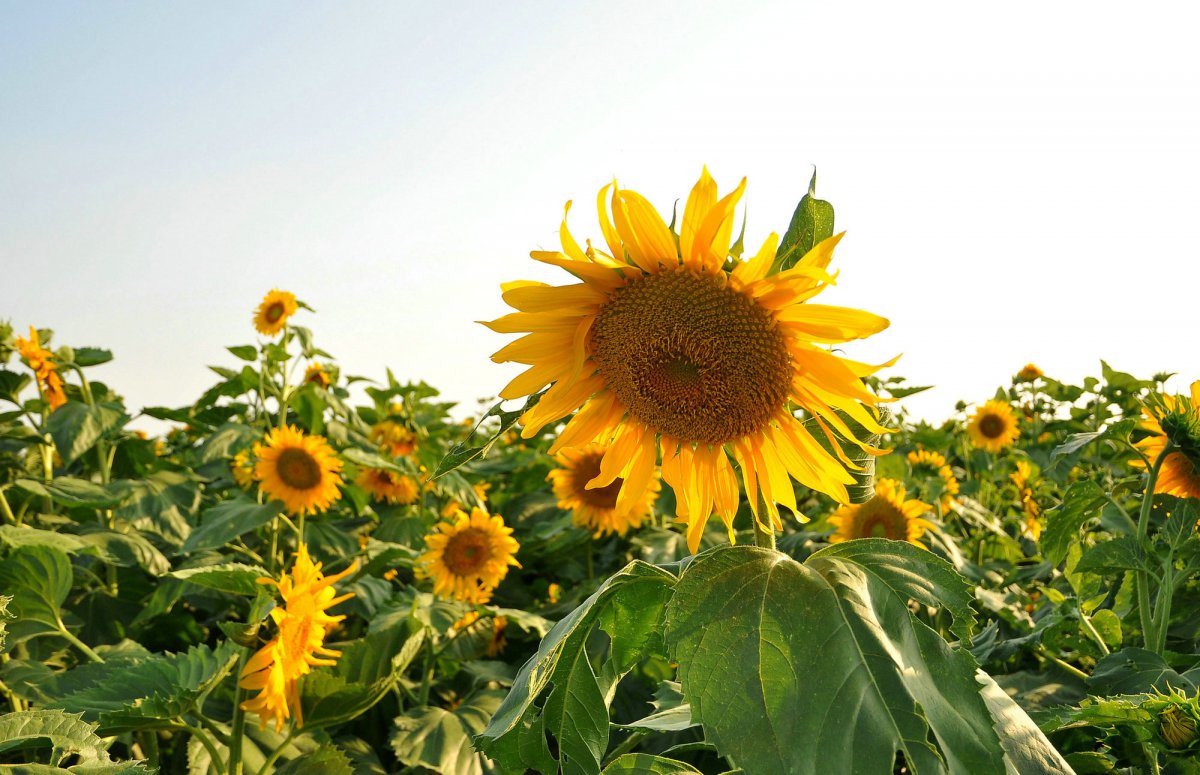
[[242, 467], [299, 644], [300, 470], [468, 556], [273, 312], [927, 464], [993, 426], [389, 486], [671, 345], [1031, 527], [1174, 420], [317, 374], [596, 509], [1029, 372], [394, 437], [887, 515], [45, 370]]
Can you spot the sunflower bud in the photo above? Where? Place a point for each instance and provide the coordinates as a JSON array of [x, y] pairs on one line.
[[1177, 727]]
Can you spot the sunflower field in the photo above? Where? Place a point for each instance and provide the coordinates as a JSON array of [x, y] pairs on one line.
[[692, 535]]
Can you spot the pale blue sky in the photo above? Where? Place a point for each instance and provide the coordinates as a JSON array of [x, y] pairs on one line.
[[1017, 181]]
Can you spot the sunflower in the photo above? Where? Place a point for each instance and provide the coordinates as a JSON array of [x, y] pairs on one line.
[[932, 465], [41, 361], [317, 374], [1028, 373], [298, 645], [468, 556], [887, 515], [299, 470], [596, 509], [1031, 528], [670, 345], [1174, 420], [272, 314], [243, 469], [993, 426], [389, 486], [394, 437]]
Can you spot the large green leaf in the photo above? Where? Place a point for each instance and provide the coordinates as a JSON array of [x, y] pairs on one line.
[[163, 503], [232, 577], [326, 760], [76, 493], [440, 739], [76, 427], [1134, 670], [52, 729], [648, 764], [1082, 501], [39, 579], [13, 536], [822, 668], [1026, 749], [811, 222], [364, 673], [227, 520], [126, 550], [1077, 441]]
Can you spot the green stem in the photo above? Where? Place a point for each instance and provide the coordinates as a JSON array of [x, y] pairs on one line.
[[627, 745], [274, 757], [1064, 664], [1149, 634], [283, 391], [1151, 755], [238, 723], [207, 742], [1093, 633], [6, 510], [427, 673], [85, 648], [149, 740], [1162, 605], [764, 535]]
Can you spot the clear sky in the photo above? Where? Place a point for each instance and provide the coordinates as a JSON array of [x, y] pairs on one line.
[[1018, 180]]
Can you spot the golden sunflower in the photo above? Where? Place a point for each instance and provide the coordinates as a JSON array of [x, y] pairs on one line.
[[302, 471], [243, 469], [317, 374], [993, 426], [299, 644], [674, 346], [1029, 372], [272, 314], [596, 509], [468, 556], [389, 486], [887, 515], [394, 437], [41, 361], [1031, 528], [1174, 420], [929, 465]]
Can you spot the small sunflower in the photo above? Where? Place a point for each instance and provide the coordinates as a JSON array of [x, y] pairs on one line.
[[667, 344], [887, 515], [468, 556], [389, 486], [302, 471], [272, 314], [1028, 373], [317, 374], [993, 426], [595, 509], [929, 465], [41, 361], [242, 467], [1031, 528], [299, 644], [394, 437], [1174, 420]]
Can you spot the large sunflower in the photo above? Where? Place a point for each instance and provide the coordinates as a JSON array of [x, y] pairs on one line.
[[1174, 420], [468, 556], [887, 515], [932, 465], [274, 310], [389, 486], [596, 509], [993, 426], [41, 361], [299, 643], [300, 470], [668, 344]]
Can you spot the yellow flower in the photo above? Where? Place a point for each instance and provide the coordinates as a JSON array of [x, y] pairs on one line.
[[272, 314], [927, 464], [596, 509], [394, 437], [673, 346], [993, 426], [1174, 420], [388, 486], [243, 469], [299, 644], [317, 374], [300, 470], [887, 515], [553, 593], [41, 361], [450, 509], [1031, 528], [1028, 373], [468, 556], [481, 490]]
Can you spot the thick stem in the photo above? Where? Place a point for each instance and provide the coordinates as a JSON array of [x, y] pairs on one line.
[[6, 510], [207, 742], [1162, 605], [77, 643], [274, 757], [238, 723], [1149, 634]]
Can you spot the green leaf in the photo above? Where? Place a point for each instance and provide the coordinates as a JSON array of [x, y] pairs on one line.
[[163, 503], [11, 385], [232, 577], [440, 739], [91, 356], [811, 223], [365, 459], [1134, 670], [247, 352], [1026, 749], [648, 764], [4, 617], [463, 453], [52, 729], [821, 668], [1077, 441], [1117, 554], [126, 550], [76, 493], [577, 715], [13, 536], [326, 760], [1082, 501], [76, 427], [363, 675], [39, 579], [228, 520]]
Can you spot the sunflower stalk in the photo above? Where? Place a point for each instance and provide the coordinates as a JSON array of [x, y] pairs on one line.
[[1150, 636], [238, 723]]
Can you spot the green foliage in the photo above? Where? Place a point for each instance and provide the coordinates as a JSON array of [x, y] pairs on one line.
[[440, 740], [38, 578], [811, 222]]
